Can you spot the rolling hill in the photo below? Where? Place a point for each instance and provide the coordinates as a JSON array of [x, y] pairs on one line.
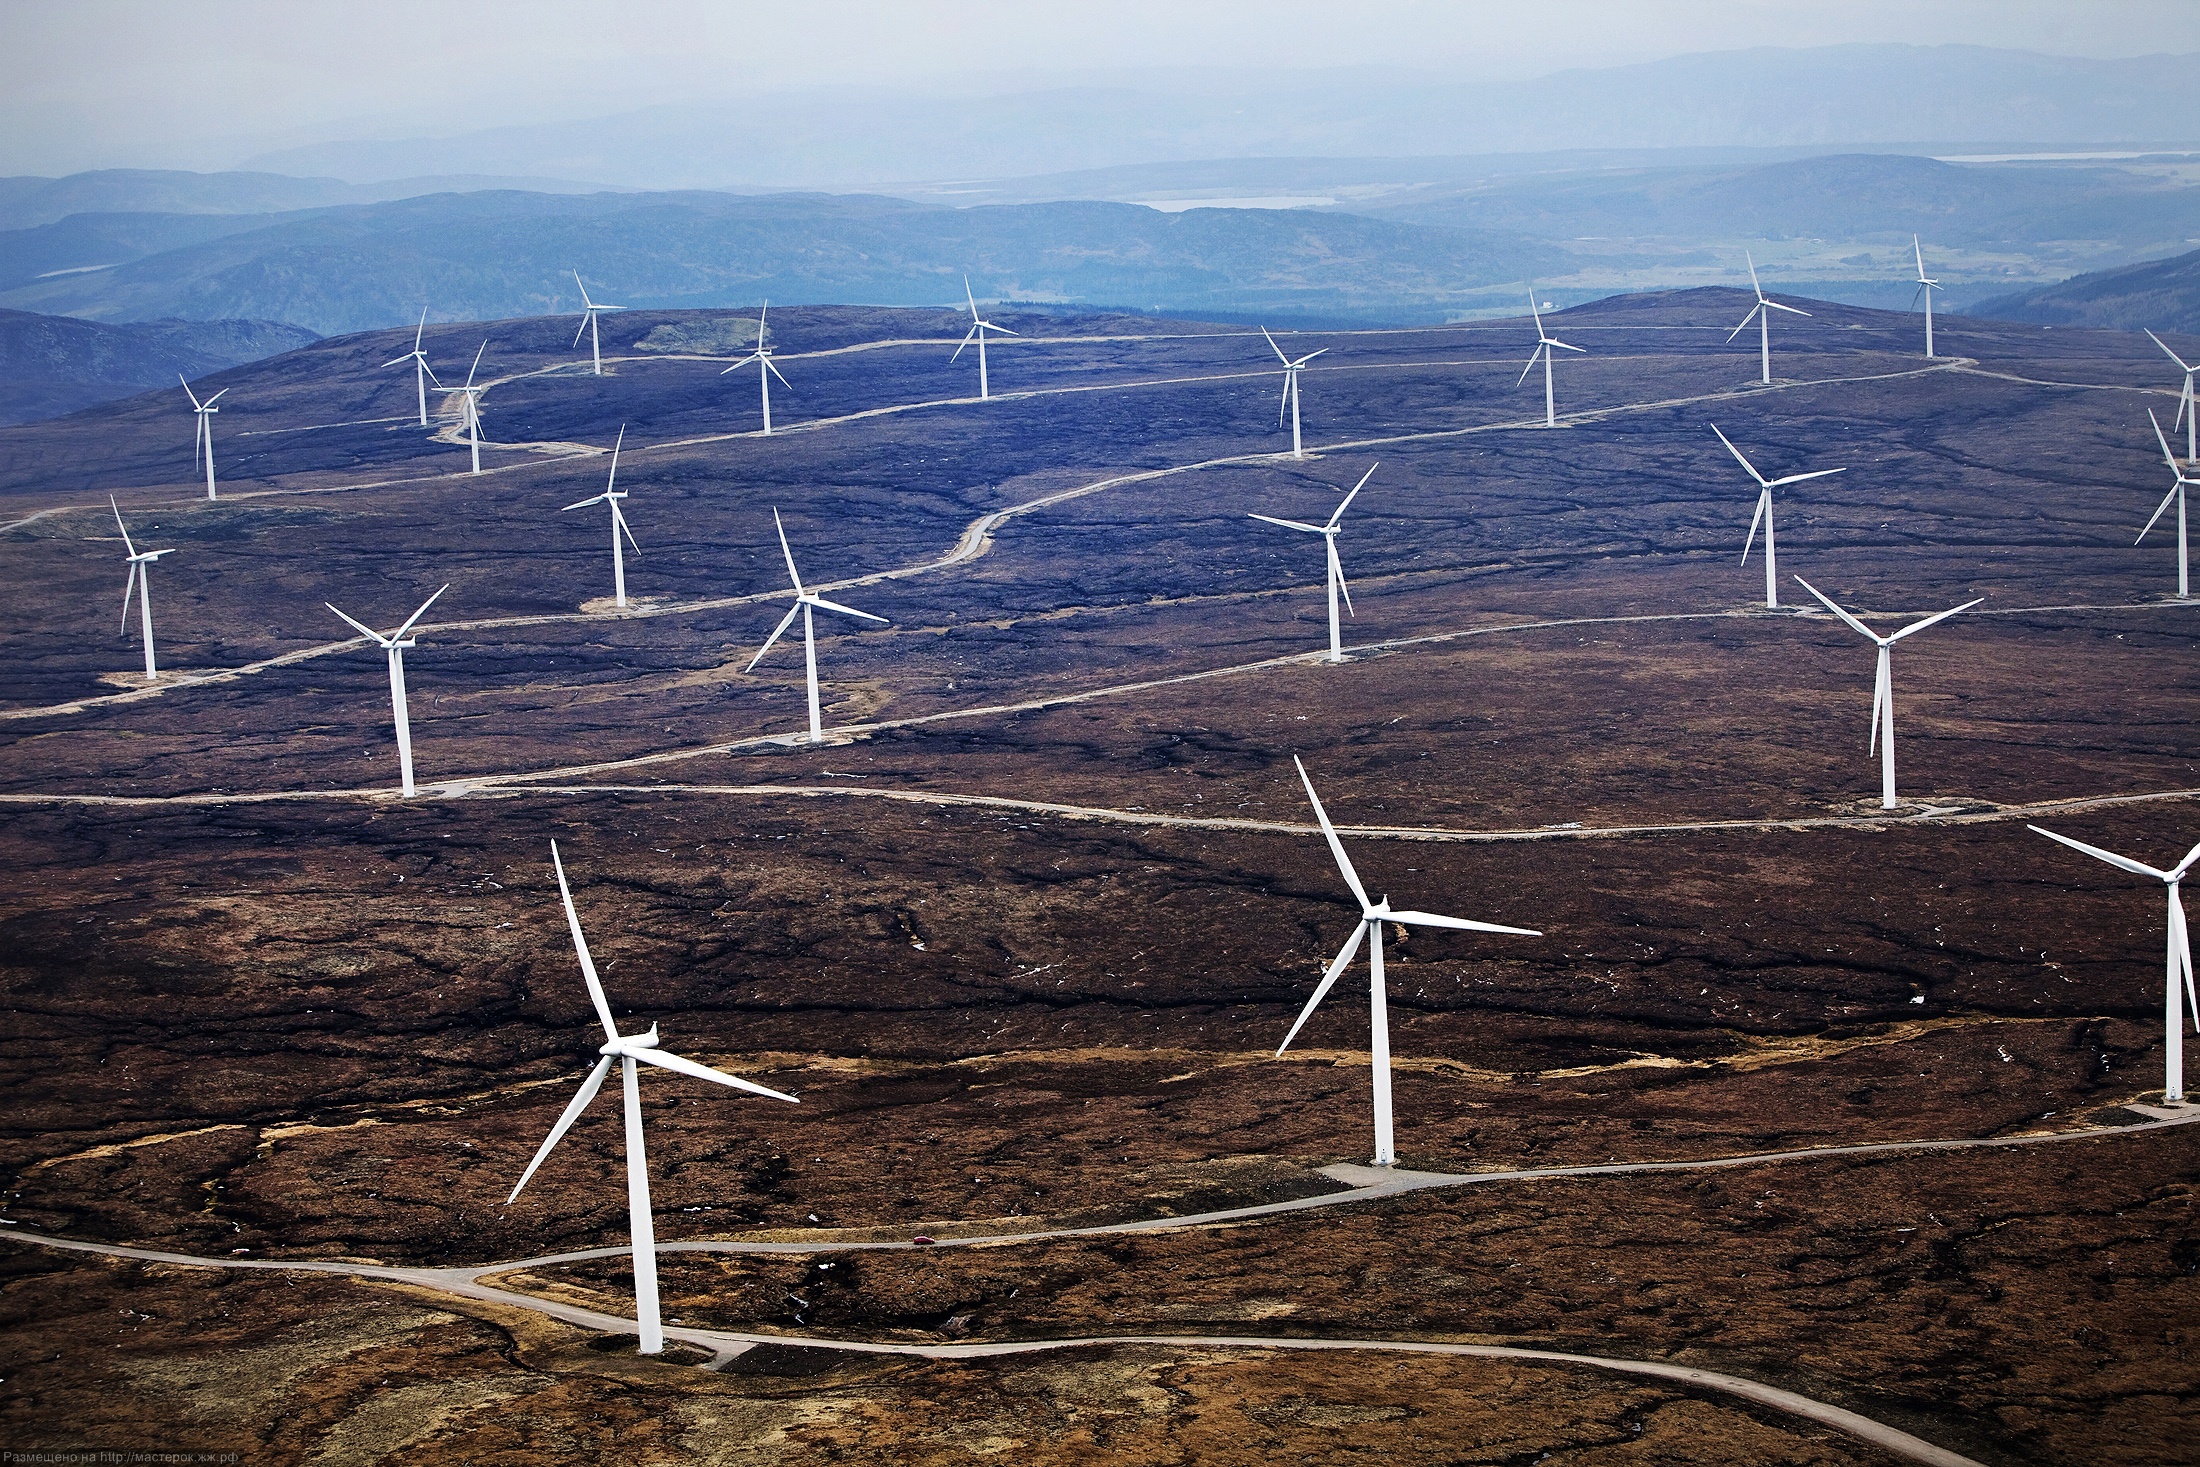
[[2161, 294], [51, 365]]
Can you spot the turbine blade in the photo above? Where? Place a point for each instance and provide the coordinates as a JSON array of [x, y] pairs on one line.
[[585, 503], [619, 519], [126, 545], [2180, 361], [1329, 833], [1730, 448], [792, 574], [477, 365], [187, 392], [583, 328], [615, 447], [364, 630], [1287, 524], [1336, 568], [1919, 626], [1837, 611], [438, 381], [1003, 330], [2163, 439], [1562, 346], [1914, 295], [408, 356], [1753, 285], [2173, 492], [1432, 919], [585, 1094], [399, 634], [585, 301], [1753, 310], [2121, 863], [1533, 311], [689, 1067], [1813, 474], [2177, 872], [1302, 361], [2182, 936], [1764, 496], [1275, 348], [773, 368], [1881, 692], [580, 949], [129, 584], [778, 631], [1329, 981], [1533, 357], [1338, 514], [971, 299], [1920, 249], [1283, 404], [737, 366], [845, 610], [973, 331], [1792, 311]]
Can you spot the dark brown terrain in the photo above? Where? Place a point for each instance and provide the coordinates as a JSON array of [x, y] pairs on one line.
[[1024, 933]]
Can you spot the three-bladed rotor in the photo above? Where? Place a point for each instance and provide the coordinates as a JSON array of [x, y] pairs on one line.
[[396, 639], [1544, 341], [1328, 532], [1764, 302], [802, 598], [1763, 514]]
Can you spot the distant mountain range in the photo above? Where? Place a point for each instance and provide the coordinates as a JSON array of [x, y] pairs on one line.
[[51, 365], [2163, 295], [1872, 96], [487, 255]]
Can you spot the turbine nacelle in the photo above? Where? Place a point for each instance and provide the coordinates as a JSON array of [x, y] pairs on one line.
[[628, 1043]]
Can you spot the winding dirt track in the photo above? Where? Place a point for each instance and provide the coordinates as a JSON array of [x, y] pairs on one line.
[[1363, 1184]]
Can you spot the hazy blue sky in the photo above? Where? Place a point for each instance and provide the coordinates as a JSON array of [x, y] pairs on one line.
[[202, 83]]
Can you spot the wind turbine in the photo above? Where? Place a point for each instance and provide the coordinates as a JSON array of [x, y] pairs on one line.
[[2178, 960], [628, 1050], [804, 601], [1328, 532], [589, 311], [612, 496], [202, 445], [979, 326], [395, 644], [1544, 341], [2184, 401], [1925, 288], [1290, 401], [1761, 313], [2176, 492], [1882, 737], [1370, 929], [1765, 487], [470, 408], [423, 374], [765, 371], [137, 582]]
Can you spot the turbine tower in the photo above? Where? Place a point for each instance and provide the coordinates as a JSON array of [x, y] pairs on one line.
[[1882, 736], [1761, 313], [1370, 930], [395, 644], [979, 326], [423, 374], [2184, 402], [1544, 342], [202, 445], [1328, 532], [612, 496], [627, 1050], [2178, 960], [1290, 402], [1765, 487], [2176, 492], [1925, 288], [136, 581], [469, 408], [804, 602], [765, 371], [589, 311]]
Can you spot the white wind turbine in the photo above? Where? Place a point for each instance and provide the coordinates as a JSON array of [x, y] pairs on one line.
[[423, 374], [469, 406], [1882, 736], [612, 496], [804, 601], [1370, 930], [139, 561], [765, 371], [1925, 288], [1544, 342], [202, 445], [1328, 532], [1765, 487], [589, 311], [395, 644], [627, 1050], [2178, 960], [1290, 401], [2184, 402], [979, 326], [1761, 313], [2176, 492]]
